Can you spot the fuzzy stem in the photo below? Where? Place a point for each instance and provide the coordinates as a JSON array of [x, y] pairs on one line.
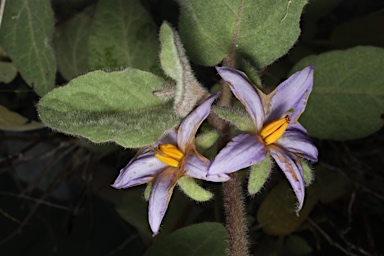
[[235, 217], [236, 224]]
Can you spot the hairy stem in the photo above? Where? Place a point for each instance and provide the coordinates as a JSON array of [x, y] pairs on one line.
[[233, 195], [235, 217]]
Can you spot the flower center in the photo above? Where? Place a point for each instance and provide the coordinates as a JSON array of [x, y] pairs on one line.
[[169, 154], [271, 132]]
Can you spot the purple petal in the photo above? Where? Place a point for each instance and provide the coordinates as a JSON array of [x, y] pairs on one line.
[[245, 92], [291, 94], [292, 170], [244, 150], [139, 170], [188, 128], [198, 169], [158, 200], [296, 141], [169, 137]]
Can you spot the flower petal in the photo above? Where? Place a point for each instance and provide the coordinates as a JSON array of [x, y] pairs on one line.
[[139, 170], [291, 94], [294, 140], [188, 128], [198, 169], [292, 170], [158, 200], [244, 150], [169, 137], [245, 92]]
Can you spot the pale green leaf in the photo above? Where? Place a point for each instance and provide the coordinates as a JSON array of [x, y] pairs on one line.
[[8, 72], [259, 174], [71, 40], [208, 239], [25, 35], [189, 186], [122, 34], [347, 101], [175, 64], [116, 106], [12, 121], [260, 31]]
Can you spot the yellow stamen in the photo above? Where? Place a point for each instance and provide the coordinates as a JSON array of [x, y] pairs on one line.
[[169, 154], [274, 130]]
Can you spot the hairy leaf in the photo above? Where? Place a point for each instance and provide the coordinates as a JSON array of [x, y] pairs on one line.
[[116, 106], [71, 40], [258, 30], [176, 65], [25, 35], [122, 34]]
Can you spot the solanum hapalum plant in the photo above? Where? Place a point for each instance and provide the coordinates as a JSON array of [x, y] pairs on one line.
[[148, 103]]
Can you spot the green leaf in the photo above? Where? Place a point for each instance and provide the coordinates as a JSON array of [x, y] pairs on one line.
[[122, 34], [116, 106], [176, 65], [259, 174], [25, 35], [347, 101], [277, 212], [189, 186], [208, 239], [11, 121], [8, 72], [236, 116], [259, 30], [71, 40]]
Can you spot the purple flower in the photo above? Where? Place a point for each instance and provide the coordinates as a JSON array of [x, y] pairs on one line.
[[169, 159], [276, 128]]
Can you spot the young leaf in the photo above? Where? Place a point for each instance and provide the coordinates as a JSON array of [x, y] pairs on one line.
[[122, 34], [71, 41], [25, 35], [176, 65], [259, 30], [116, 106], [347, 101], [208, 239]]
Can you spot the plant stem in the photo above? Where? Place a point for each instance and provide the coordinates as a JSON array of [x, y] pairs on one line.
[[236, 224], [235, 217]]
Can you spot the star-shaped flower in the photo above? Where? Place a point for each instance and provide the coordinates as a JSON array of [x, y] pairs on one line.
[[277, 130], [166, 161]]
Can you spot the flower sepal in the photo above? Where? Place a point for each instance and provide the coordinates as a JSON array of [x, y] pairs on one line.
[[259, 174], [189, 186]]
